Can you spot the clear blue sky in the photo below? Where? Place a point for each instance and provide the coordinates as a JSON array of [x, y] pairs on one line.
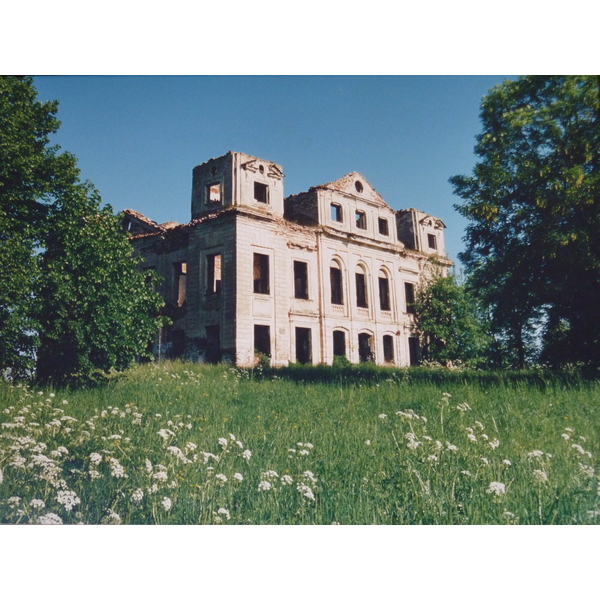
[[138, 138]]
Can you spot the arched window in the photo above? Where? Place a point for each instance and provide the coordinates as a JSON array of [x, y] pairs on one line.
[[384, 291], [337, 283], [362, 298]]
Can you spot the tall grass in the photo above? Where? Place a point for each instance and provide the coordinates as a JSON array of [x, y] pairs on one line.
[[192, 444]]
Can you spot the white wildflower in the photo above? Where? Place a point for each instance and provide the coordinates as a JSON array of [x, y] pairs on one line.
[[222, 442], [581, 450], [270, 475], [568, 429], [308, 445], [540, 476], [49, 519], [586, 470], [472, 438], [247, 454], [148, 466], [95, 458], [484, 460], [306, 491], [137, 496], [1, 476], [433, 458], [111, 518], [166, 503], [507, 462], [413, 445], [190, 447], [464, 407], [310, 476], [68, 499], [467, 473], [535, 454], [383, 416], [566, 436], [368, 442], [116, 468], [239, 444], [286, 480], [494, 443], [224, 512], [37, 503], [451, 447], [94, 474], [304, 453], [177, 453], [264, 486], [14, 501], [222, 478], [497, 488], [480, 425], [232, 438], [238, 477], [593, 513]]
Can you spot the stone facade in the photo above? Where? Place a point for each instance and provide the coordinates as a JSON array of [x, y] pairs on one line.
[[328, 272]]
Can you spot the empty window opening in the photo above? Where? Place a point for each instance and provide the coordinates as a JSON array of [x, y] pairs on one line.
[[175, 343], [261, 274], [384, 293], [336, 213], [388, 348], [383, 226], [213, 193], [409, 292], [361, 219], [213, 344], [262, 340], [213, 274], [365, 347], [179, 282], [261, 192], [337, 292], [339, 343], [303, 345], [358, 186], [432, 241], [413, 350], [300, 280], [361, 291]]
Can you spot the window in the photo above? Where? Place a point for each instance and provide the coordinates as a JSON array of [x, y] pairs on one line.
[[261, 274], [361, 290], [300, 280], [383, 226], [303, 345], [262, 339], [339, 343], [413, 350], [261, 192], [337, 292], [432, 241], [179, 282], [384, 292], [358, 186], [388, 348], [361, 219], [365, 347], [213, 344], [336, 213], [409, 292], [213, 274], [213, 193]]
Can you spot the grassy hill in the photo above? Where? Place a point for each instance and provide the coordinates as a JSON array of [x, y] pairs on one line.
[[182, 443]]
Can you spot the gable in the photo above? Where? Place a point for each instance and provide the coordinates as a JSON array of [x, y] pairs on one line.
[[356, 185]]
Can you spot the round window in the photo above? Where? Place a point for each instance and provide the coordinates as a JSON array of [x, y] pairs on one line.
[[261, 169], [359, 186]]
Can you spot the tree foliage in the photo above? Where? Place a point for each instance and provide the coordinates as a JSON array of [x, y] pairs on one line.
[[71, 299], [451, 328], [533, 239]]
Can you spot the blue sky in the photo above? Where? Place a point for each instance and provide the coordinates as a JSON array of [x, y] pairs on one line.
[[138, 138]]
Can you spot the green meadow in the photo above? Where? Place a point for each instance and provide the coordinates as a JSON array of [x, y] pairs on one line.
[[180, 443]]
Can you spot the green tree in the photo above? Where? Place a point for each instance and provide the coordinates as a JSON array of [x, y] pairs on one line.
[[71, 299], [533, 205], [450, 327]]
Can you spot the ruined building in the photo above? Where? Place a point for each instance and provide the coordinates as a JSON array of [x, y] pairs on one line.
[[325, 273]]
